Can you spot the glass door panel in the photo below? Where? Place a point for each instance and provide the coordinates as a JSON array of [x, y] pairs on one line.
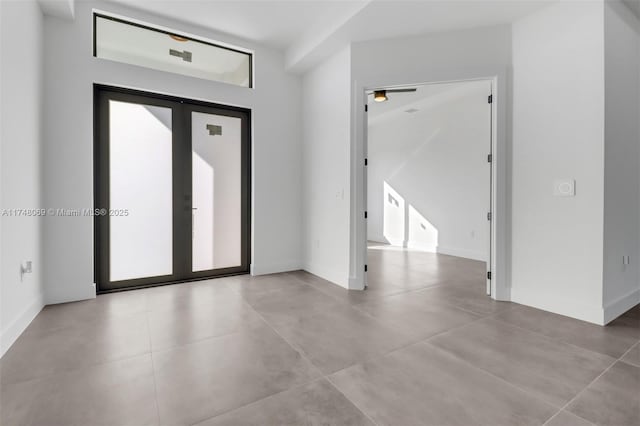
[[216, 191], [140, 191], [174, 176]]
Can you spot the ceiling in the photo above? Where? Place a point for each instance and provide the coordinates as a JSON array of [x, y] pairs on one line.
[[404, 101], [273, 23], [308, 31], [425, 96]]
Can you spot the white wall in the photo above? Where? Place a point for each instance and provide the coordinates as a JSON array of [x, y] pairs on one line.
[[68, 144], [428, 175], [621, 159], [20, 155], [326, 159], [452, 56], [558, 127]]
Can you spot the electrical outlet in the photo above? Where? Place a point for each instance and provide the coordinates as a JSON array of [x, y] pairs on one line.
[[564, 188], [26, 268]]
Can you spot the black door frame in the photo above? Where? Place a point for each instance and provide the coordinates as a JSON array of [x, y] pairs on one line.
[[182, 186]]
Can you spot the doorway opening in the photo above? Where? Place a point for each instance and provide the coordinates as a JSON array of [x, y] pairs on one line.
[[428, 186], [171, 188]]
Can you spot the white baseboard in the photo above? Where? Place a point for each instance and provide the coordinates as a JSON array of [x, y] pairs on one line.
[[566, 307], [328, 274], [377, 238], [431, 248], [458, 252], [356, 283], [89, 292], [621, 305], [15, 328], [274, 268]]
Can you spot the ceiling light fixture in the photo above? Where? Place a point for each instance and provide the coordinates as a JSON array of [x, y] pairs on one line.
[[178, 38], [380, 95]]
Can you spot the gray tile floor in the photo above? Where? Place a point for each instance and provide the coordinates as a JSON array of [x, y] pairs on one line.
[[422, 346]]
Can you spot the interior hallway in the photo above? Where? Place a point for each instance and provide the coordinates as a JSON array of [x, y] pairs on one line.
[[423, 345]]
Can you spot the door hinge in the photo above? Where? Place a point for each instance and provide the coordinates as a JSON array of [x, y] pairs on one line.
[[489, 158], [490, 99], [489, 275], [366, 267], [366, 108], [365, 214], [489, 216], [366, 161]]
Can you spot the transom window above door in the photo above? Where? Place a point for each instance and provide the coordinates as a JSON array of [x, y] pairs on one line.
[[138, 44]]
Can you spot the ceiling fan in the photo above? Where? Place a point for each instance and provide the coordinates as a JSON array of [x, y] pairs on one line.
[[380, 95]]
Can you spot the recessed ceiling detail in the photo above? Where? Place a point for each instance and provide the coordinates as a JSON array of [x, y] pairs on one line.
[[309, 31]]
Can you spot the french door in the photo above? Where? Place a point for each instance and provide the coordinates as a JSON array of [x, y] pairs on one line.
[[172, 189]]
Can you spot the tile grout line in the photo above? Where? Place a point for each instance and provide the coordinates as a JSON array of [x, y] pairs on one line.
[[327, 378], [240, 329], [555, 339], [482, 370], [402, 291], [348, 306], [569, 413], [405, 292], [153, 370], [451, 355], [427, 341], [361, 361], [615, 361], [263, 320], [627, 352], [91, 365], [305, 357], [292, 346], [230, 410]]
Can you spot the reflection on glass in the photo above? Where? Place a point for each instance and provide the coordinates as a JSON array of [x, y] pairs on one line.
[[147, 47], [140, 182], [217, 195]]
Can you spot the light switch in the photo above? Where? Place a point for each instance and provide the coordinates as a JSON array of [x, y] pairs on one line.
[[564, 187]]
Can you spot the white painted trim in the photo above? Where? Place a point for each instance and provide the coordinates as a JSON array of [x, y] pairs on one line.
[[353, 284], [11, 333], [621, 305], [458, 252], [171, 30], [65, 298], [500, 232], [564, 307], [332, 275], [274, 268], [430, 248], [377, 239]]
